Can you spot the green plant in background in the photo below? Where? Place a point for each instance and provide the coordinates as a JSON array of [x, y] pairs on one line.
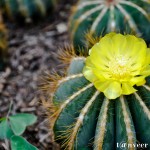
[[3, 43], [104, 16], [104, 99], [26, 9], [12, 127]]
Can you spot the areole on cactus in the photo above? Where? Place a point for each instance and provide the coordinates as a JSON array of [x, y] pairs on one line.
[[26, 10], [97, 17], [104, 99]]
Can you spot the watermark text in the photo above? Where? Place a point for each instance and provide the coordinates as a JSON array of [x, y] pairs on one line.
[[124, 145]]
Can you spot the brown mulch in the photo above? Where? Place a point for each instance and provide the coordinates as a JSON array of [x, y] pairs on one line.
[[31, 53]]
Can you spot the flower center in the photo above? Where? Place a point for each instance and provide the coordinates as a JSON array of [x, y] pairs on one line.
[[117, 63], [118, 67]]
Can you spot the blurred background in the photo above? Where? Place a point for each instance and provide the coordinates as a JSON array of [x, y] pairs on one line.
[[32, 51]]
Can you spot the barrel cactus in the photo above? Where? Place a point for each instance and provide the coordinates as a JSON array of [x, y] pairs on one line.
[[26, 10], [104, 16], [103, 101], [3, 43]]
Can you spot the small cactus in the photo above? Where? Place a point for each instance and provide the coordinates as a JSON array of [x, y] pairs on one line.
[[104, 16], [103, 100], [26, 9], [3, 43]]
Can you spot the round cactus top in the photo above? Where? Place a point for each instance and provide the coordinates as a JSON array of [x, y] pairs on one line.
[[116, 63]]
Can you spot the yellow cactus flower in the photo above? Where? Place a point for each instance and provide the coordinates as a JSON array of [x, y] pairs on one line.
[[116, 63]]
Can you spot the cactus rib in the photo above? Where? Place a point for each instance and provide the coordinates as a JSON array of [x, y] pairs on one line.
[[84, 16], [129, 19], [135, 6], [101, 126], [79, 121], [100, 17], [98, 8], [147, 87], [145, 109], [26, 10], [130, 136], [98, 20], [84, 4], [67, 101], [69, 78], [69, 134]]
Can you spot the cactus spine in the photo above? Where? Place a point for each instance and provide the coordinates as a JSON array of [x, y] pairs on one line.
[[83, 118], [26, 9], [104, 16]]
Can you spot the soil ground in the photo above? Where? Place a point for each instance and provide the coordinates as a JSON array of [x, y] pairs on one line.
[[32, 50]]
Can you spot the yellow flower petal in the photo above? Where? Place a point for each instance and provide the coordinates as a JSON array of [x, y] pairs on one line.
[[148, 56], [146, 71], [96, 52], [137, 80], [119, 43], [127, 89], [101, 86], [118, 60], [113, 90], [88, 73]]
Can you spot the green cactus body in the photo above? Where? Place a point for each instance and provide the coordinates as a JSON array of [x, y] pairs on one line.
[[85, 119], [100, 17], [103, 101], [26, 9]]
